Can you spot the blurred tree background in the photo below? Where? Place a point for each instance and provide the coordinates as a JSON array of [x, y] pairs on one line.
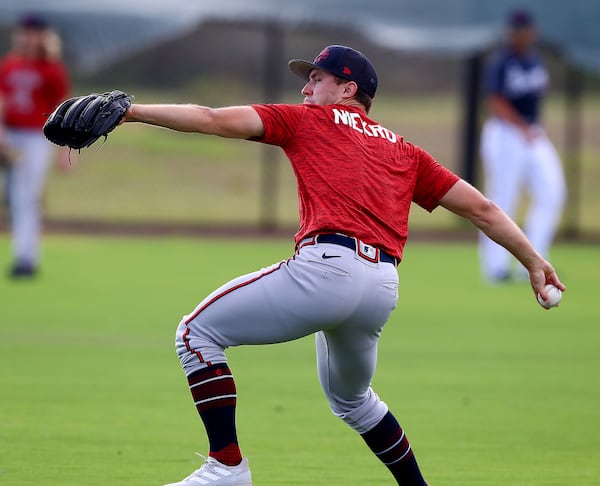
[[147, 179]]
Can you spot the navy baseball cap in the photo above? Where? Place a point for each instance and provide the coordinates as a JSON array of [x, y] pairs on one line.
[[342, 61], [33, 21], [519, 19]]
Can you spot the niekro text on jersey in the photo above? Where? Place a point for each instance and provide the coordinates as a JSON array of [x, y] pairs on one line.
[[355, 121]]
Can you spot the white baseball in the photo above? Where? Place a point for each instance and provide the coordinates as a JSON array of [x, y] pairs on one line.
[[554, 294]]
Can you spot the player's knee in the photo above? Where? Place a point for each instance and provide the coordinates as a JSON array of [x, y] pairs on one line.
[[196, 349], [550, 204], [560, 197], [362, 414]]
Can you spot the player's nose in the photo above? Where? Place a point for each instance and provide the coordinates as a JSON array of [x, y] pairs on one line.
[[306, 91]]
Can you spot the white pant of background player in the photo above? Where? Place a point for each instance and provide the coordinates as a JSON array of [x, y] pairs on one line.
[[513, 164], [25, 185], [325, 289]]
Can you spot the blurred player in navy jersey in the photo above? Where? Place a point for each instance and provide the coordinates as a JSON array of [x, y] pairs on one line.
[[517, 154]]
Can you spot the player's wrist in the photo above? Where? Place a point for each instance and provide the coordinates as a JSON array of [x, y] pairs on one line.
[[535, 262], [129, 115]]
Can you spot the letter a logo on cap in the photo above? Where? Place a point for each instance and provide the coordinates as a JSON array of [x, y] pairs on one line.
[[323, 55]]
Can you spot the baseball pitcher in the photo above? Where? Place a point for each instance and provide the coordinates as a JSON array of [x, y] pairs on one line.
[[356, 181]]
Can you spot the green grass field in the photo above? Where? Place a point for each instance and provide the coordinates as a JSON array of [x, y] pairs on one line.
[[492, 390]]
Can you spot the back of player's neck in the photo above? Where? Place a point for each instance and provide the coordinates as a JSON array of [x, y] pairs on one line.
[[352, 103]]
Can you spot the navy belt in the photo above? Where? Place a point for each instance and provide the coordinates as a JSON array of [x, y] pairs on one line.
[[363, 250]]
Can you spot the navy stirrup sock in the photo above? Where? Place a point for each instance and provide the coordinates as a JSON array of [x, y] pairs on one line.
[[389, 443], [214, 393]]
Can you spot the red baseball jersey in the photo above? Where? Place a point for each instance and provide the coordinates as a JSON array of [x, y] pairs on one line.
[[354, 176], [31, 90]]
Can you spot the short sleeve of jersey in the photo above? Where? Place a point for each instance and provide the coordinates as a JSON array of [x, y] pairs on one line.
[[433, 181], [494, 75], [280, 122]]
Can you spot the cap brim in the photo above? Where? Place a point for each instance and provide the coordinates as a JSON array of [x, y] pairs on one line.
[[302, 68]]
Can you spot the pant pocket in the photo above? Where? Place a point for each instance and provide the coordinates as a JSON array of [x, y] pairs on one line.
[[330, 267]]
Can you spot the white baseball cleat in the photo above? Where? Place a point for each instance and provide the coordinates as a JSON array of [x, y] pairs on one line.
[[213, 473]]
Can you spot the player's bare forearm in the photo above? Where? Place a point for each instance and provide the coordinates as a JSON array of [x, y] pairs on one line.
[[499, 227], [466, 201], [501, 108], [232, 122]]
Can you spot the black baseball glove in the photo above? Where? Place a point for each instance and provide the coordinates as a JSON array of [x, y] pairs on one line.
[[78, 122]]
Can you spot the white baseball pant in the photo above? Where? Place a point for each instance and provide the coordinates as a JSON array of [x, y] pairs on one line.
[[26, 181], [343, 298], [511, 163]]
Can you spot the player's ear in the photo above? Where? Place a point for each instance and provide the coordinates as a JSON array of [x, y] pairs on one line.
[[350, 89]]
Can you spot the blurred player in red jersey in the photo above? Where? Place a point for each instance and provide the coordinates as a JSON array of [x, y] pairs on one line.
[[33, 80], [356, 181]]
